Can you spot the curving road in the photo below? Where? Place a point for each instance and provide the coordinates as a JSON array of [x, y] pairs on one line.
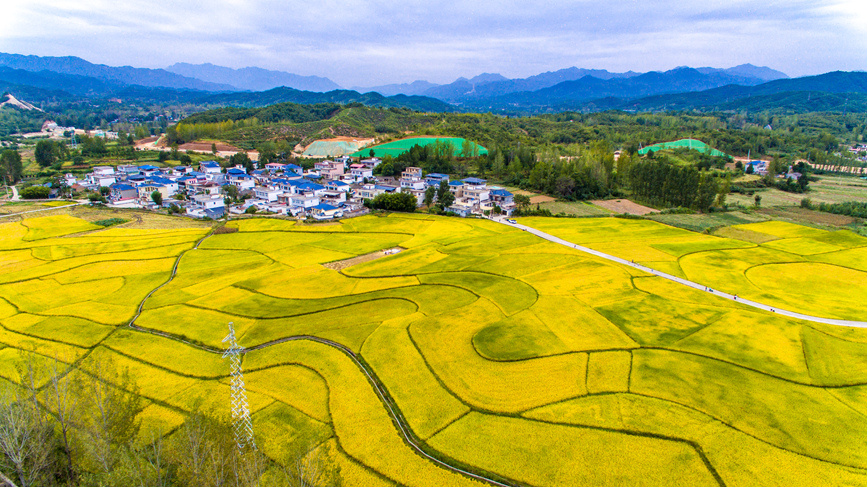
[[684, 282]]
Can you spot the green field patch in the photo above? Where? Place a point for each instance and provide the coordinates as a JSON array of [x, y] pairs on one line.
[[744, 235], [14, 360], [608, 372], [519, 265], [169, 354], [678, 249], [359, 243], [586, 278], [446, 342], [843, 238], [834, 361], [755, 403], [297, 386], [48, 347], [40, 295], [6, 309], [425, 404], [520, 336], [289, 431], [494, 244], [802, 246], [264, 242], [55, 226], [851, 258], [651, 320], [407, 223], [350, 324], [782, 229], [759, 341], [578, 326], [211, 395], [510, 295], [261, 225], [538, 453], [75, 331], [154, 383]]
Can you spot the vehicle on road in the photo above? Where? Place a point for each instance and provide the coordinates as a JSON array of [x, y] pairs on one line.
[[511, 221]]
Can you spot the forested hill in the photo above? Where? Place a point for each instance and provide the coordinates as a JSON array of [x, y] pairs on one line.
[[283, 94]]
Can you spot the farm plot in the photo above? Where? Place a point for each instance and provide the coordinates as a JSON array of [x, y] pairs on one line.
[[790, 266], [508, 355]]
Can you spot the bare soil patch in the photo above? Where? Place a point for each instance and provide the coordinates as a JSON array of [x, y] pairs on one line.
[[803, 215], [624, 206], [343, 264], [541, 199], [206, 147]]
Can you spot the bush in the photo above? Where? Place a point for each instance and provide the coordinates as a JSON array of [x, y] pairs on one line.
[[35, 193], [110, 221], [404, 202], [251, 210], [807, 203]]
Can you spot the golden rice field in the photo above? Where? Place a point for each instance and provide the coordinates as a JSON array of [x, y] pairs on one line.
[[505, 354]]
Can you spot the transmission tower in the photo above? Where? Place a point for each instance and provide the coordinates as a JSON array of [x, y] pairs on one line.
[[241, 423]]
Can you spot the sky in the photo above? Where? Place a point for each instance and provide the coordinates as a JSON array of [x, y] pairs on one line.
[[368, 43]]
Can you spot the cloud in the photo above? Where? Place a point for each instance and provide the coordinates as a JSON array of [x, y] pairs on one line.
[[367, 43]]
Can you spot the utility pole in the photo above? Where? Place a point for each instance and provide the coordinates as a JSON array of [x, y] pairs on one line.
[[241, 422]]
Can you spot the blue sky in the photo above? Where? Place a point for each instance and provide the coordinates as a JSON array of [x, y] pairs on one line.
[[358, 43]]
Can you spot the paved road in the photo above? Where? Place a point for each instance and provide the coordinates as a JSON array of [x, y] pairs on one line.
[[694, 285], [15, 196]]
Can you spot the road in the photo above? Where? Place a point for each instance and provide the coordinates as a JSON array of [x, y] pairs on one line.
[[684, 282]]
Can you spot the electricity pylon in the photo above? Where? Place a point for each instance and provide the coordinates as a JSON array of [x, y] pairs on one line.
[[241, 423]]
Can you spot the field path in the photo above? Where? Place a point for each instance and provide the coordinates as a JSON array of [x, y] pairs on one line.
[[694, 285]]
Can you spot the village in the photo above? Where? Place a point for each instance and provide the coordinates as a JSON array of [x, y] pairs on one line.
[[331, 189]]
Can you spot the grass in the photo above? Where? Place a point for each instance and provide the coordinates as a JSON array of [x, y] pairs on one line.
[[504, 352], [575, 208]]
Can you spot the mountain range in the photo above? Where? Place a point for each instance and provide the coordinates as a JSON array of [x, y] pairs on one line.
[[746, 86]]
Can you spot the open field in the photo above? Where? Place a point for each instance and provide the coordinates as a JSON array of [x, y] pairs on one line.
[[398, 147], [506, 354]]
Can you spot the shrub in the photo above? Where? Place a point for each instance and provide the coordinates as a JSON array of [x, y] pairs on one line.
[[35, 192]]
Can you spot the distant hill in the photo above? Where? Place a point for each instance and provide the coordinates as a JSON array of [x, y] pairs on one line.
[[49, 81], [678, 80], [124, 75], [763, 73], [252, 78], [415, 88], [283, 95], [836, 91]]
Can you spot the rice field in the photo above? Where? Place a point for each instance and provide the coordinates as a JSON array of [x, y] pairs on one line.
[[510, 356]]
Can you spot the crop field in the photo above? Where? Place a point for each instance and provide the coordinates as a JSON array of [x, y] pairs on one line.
[[498, 352], [398, 147], [793, 267]]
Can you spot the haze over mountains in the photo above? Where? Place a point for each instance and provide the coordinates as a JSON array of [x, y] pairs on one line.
[[37, 78]]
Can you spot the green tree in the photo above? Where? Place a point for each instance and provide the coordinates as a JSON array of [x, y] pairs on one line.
[[429, 195], [758, 200], [46, 153], [157, 198], [522, 201], [34, 193], [445, 197], [231, 191], [11, 168]]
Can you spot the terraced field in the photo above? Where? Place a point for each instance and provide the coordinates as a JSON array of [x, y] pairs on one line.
[[497, 352]]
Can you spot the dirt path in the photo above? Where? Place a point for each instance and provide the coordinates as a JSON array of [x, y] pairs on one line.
[[347, 263]]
